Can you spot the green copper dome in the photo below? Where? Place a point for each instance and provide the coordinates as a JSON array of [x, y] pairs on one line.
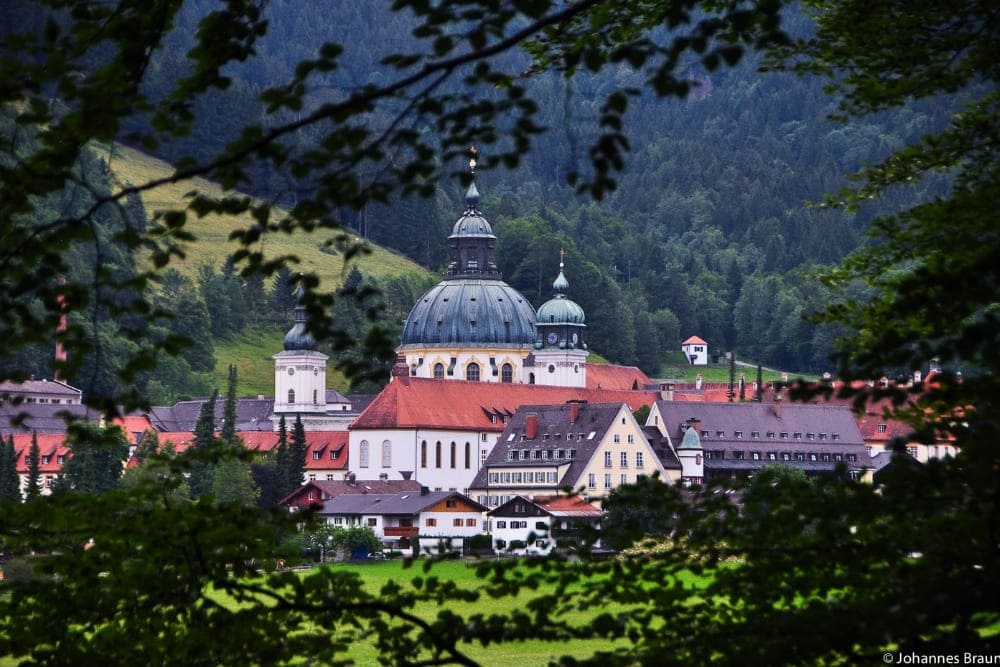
[[559, 309], [691, 439]]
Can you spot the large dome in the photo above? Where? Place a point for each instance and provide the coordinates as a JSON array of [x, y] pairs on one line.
[[470, 311]]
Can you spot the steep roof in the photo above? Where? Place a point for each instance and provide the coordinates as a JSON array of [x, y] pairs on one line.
[[569, 440], [764, 427], [616, 378], [459, 405], [51, 445], [252, 414], [42, 418]]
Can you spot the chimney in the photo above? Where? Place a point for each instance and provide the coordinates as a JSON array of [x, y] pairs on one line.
[[777, 404], [400, 370], [574, 411], [697, 381], [695, 423], [406, 474], [424, 490], [531, 426], [350, 479]]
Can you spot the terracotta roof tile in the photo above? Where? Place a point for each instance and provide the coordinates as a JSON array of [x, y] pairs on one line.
[[459, 405], [620, 378]]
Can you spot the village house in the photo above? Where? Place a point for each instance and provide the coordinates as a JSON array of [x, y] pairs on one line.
[[536, 527], [578, 445], [439, 519]]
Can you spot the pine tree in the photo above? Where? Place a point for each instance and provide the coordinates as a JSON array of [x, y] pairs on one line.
[[228, 433], [759, 397], [34, 488], [98, 455], [282, 456], [204, 436], [731, 392], [148, 445], [10, 482], [297, 455]]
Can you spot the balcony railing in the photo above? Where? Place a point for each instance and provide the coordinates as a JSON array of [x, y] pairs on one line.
[[401, 531]]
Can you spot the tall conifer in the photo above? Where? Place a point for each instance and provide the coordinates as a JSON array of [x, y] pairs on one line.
[[204, 436], [297, 455], [10, 483], [34, 488], [228, 432]]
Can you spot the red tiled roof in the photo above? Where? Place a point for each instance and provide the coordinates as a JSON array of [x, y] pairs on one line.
[[567, 504], [610, 376], [694, 340], [326, 443], [133, 426], [49, 444], [458, 405]]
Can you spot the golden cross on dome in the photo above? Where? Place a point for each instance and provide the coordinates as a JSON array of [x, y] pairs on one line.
[[472, 158], [562, 253]]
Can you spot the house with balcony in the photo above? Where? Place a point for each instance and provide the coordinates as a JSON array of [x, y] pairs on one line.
[[527, 527], [434, 517]]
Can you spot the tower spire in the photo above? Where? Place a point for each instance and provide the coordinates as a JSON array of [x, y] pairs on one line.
[[472, 194]]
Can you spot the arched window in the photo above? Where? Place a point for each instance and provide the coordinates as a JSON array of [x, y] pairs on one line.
[[468, 456], [291, 395], [531, 378], [437, 454], [438, 371], [452, 454], [363, 454], [423, 454], [472, 372], [386, 454], [507, 373]]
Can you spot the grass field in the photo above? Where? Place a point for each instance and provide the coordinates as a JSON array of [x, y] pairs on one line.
[[212, 232], [251, 352]]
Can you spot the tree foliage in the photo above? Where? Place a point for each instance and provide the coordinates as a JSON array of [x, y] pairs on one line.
[[823, 570]]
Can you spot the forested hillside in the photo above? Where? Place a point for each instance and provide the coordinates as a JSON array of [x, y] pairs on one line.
[[708, 232]]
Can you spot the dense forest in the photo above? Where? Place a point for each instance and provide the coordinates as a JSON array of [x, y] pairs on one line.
[[708, 232]]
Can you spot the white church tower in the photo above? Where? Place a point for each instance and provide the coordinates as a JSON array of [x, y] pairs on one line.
[[300, 376], [560, 354]]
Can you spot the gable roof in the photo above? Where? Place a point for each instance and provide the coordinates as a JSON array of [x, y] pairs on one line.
[[333, 488], [42, 418], [393, 503], [730, 427], [460, 405], [252, 414], [616, 378], [52, 445], [568, 507], [556, 431]]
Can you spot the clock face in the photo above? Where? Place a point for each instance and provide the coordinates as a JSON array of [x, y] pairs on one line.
[[553, 338]]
